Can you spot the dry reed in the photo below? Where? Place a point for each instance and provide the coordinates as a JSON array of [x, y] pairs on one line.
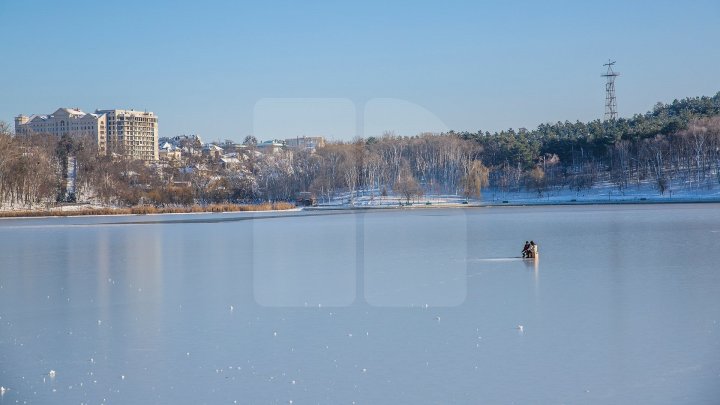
[[150, 209]]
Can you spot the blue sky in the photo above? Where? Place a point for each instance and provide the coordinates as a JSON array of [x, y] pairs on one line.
[[218, 68]]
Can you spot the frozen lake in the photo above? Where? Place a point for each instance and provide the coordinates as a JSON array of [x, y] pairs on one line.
[[419, 306]]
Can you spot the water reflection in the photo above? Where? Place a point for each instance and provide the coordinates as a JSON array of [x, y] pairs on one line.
[[103, 268], [533, 266]]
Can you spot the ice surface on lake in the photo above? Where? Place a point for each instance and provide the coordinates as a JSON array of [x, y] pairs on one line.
[[419, 306]]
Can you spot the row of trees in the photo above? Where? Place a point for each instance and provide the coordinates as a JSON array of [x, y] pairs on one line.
[[674, 142], [28, 169], [576, 142], [407, 166], [679, 142]]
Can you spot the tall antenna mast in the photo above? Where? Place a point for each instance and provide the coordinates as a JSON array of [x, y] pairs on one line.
[[610, 102]]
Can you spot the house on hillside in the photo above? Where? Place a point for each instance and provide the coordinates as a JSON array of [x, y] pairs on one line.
[[229, 162], [168, 151], [305, 142], [270, 147], [213, 151]]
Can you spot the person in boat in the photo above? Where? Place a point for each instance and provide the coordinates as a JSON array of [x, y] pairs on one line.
[[533, 249], [526, 249]]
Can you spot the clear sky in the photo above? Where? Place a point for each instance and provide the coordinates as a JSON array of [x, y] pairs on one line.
[[226, 69]]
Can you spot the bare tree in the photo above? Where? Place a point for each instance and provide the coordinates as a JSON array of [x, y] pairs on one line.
[[654, 153], [407, 186], [372, 166], [476, 179], [620, 164], [537, 180]]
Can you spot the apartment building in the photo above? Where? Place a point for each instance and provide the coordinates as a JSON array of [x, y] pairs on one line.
[[132, 133], [125, 132], [66, 121]]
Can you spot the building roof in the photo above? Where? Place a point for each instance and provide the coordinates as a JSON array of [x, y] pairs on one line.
[[37, 117], [211, 146], [61, 112], [274, 143], [229, 160], [125, 112], [73, 111]]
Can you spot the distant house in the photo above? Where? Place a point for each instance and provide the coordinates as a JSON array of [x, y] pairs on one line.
[[185, 140], [229, 162], [190, 151], [213, 151], [305, 142], [168, 151], [269, 147], [189, 145]]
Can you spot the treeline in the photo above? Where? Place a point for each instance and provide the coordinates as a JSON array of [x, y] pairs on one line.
[[407, 166], [677, 142], [573, 142], [674, 143], [28, 169]]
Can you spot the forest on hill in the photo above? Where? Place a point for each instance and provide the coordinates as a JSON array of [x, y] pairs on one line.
[[676, 143]]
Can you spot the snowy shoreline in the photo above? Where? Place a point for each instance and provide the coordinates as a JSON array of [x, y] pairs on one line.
[[430, 202], [416, 206], [603, 193], [525, 203]]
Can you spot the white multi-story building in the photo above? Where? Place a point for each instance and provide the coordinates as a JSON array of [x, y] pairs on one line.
[[306, 142], [125, 132], [132, 133], [66, 121]]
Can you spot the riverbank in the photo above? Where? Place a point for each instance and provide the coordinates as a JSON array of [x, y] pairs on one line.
[[80, 210], [517, 200], [510, 204], [602, 194], [365, 203]]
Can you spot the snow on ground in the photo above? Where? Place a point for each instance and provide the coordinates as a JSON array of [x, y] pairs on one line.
[[368, 199], [49, 207], [600, 194], [76, 207], [603, 193]]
